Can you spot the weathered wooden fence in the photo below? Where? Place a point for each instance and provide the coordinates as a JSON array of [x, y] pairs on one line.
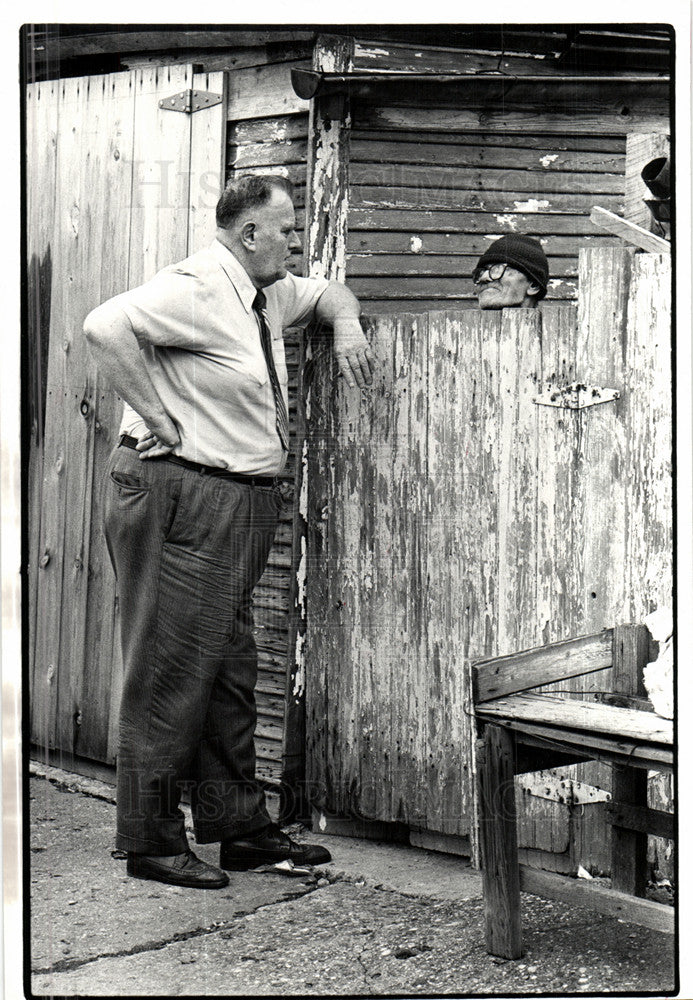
[[453, 512], [116, 189]]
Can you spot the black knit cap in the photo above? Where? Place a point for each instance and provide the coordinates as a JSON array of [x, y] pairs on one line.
[[522, 252]]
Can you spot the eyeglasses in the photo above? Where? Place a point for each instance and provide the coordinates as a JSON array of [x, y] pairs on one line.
[[495, 272]]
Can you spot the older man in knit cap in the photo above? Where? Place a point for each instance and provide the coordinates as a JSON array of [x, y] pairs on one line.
[[512, 273]]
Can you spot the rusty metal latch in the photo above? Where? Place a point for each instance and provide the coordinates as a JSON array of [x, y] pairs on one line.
[[576, 396], [189, 101]]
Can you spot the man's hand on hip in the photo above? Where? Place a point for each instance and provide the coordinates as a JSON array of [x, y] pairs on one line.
[[160, 441], [353, 354]]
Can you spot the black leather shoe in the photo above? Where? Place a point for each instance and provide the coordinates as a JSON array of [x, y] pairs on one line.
[[268, 847], [185, 869]]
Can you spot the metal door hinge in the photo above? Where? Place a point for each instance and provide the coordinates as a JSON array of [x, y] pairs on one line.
[[557, 787], [189, 101], [576, 396]]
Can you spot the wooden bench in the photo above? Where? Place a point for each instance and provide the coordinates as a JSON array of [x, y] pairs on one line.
[[522, 730]]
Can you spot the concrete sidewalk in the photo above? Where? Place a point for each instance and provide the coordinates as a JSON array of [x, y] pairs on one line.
[[381, 919]]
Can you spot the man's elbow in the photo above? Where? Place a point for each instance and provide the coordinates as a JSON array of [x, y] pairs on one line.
[[102, 327], [336, 302], [95, 328]]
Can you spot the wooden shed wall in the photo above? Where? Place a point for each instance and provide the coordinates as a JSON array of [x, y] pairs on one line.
[[451, 517], [431, 187], [522, 132], [423, 206], [113, 195]]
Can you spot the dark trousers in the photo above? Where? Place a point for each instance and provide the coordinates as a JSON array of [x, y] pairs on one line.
[[187, 549]]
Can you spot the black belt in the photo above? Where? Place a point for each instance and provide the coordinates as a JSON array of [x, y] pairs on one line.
[[126, 441]]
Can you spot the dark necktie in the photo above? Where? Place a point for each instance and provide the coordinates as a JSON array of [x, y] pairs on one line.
[[259, 304]]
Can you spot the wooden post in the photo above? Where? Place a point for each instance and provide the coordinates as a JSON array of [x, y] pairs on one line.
[[328, 161], [498, 834], [629, 785], [641, 147], [327, 193]]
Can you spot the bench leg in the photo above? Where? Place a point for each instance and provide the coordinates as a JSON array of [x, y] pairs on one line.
[[630, 653], [498, 836], [629, 847]]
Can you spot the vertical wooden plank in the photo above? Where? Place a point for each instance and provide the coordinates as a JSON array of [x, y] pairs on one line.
[[629, 785], [605, 277], [79, 297], [325, 254], [381, 643], [110, 246], [355, 704], [641, 147], [52, 675], [452, 612], [519, 375], [496, 772], [602, 479], [481, 556], [558, 602], [558, 541], [161, 173], [409, 604], [648, 411], [485, 491], [41, 166], [207, 162], [315, 575]]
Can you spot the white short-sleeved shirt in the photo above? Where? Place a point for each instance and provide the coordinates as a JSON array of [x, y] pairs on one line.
[[200, 342]]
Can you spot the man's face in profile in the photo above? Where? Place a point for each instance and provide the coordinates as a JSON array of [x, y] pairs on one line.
[[275, 238], [500, 286]]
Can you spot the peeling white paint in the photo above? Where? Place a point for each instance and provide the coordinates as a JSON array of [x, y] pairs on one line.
[[303, 495], [506, 220], [532, 205], [416, 244], [547, 160], [279, 131], [301, 575], [300, 676], [322, 822], [317, 269], [528, 55]]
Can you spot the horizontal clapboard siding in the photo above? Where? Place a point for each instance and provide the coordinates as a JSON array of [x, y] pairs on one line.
[[423, 206], [273, 143]]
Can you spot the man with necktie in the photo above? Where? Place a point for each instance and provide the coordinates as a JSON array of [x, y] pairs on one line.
[[191, 505]]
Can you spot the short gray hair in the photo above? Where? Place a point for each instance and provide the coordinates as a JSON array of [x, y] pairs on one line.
[[245, 192]]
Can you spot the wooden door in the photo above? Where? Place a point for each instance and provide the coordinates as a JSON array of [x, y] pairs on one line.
[[117, 187], [453, 514]]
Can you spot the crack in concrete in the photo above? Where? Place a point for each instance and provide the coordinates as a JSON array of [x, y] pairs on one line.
[[366, 974], [70, 964]]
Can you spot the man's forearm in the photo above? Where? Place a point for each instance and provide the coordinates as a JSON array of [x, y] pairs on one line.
[[337, 302], [117, 356]]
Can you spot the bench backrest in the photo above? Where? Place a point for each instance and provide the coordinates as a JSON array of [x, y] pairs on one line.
[[624, 650]]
